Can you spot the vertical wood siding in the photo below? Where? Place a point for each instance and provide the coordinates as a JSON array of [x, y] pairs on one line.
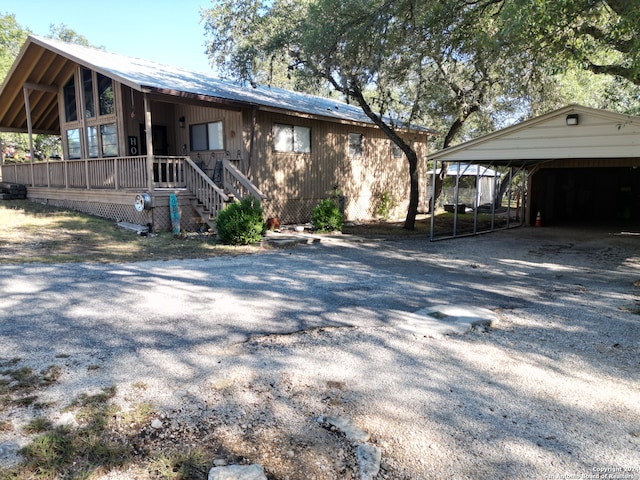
[[310, 177]]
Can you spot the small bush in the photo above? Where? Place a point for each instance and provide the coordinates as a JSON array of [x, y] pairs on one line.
[[241, 223], [326, 216], [386, 204]]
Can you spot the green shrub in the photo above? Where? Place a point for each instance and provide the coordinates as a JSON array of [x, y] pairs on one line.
[[241, 223], [326, 216], [386, 204]]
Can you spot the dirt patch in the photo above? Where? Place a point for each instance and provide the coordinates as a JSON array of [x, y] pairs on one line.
[[33, 232]]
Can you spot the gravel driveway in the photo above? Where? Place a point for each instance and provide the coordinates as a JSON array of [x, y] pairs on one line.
[[250, 353]]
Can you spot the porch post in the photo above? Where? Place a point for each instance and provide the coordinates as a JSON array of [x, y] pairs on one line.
[[251, 140], [149, 140], [27, 107]]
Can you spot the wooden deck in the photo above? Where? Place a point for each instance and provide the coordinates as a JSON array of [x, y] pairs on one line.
[[111, 181], [117, 173]]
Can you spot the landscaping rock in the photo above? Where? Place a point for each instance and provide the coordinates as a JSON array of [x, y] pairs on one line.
[[349, 428], [237, 472], [369, 457]]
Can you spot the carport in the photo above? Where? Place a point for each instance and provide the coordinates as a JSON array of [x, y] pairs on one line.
[[575, 165]]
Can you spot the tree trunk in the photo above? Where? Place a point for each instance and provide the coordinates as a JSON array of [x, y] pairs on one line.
[[410, 153], [431, 205], [412, 211]]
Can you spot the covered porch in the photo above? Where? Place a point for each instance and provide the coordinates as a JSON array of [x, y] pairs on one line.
[[109, 187]]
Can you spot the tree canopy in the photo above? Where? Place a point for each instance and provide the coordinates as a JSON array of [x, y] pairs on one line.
[[66, 34], [449, 64], [12, 37], [601, 36], [404, 62]]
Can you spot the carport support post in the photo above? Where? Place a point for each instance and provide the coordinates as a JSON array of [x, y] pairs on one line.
[[455, 205], [477, 201], [433, 199], [509, 197], [522, 210], [496, 191]]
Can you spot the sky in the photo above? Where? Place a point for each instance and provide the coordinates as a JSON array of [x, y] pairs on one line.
[[165, 31]]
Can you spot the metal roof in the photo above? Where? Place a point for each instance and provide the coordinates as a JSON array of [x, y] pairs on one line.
[[46, 61], [455, 169]]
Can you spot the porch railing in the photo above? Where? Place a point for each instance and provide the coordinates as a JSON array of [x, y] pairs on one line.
[[211, 198], [237, 183], [115, 173], [130, 173]]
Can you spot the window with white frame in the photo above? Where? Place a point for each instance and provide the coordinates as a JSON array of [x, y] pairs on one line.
[[207, 136], [291, 138], [356, 141]]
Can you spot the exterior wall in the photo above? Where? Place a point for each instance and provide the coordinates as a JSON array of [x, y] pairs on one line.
[[132, 122], [233, 133], [598, 134], [295, 182]]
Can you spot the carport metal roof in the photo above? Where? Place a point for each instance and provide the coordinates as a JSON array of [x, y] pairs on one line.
[[597, 134]]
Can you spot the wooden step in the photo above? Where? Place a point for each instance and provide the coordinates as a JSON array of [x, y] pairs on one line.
[[12, 191], [204, 215]]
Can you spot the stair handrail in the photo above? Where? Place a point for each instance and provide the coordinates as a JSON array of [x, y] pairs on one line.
[[202, 187], [237, 183]]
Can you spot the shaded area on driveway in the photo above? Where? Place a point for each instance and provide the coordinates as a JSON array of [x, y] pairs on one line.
[[287, 335]]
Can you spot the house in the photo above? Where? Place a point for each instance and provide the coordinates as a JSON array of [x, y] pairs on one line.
[[135, 132], [580, 165]]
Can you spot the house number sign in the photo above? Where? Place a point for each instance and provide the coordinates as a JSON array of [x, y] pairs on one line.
[[133, 146]]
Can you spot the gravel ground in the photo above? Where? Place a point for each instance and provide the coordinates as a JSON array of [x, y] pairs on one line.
[[246, 354]]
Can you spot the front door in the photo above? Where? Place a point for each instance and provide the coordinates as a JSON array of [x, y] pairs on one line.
[[159, 136]]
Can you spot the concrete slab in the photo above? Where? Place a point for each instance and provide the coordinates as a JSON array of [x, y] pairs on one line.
[[445, 319], [139, 229]]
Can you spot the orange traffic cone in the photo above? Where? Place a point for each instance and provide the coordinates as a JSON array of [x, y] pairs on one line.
[[538, 220]]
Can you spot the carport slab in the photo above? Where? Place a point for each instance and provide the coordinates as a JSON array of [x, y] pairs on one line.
[[445, 320]]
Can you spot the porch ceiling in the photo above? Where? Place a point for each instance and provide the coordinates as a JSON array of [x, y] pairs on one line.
[[40, 69]]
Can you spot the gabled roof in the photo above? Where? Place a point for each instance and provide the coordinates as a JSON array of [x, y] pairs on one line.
[[598, 134], [46, 61]]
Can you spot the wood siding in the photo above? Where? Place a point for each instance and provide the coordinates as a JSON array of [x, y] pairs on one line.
[[597, 135], [310, 177]]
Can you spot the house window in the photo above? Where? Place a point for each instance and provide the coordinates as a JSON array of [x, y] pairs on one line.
[[95, 94], [355, 144], [92, 142], [73, 143], [109, 139], [207, 136], [70, 108], [105, 95], [396, 151], [87, 84], [290, 138]]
